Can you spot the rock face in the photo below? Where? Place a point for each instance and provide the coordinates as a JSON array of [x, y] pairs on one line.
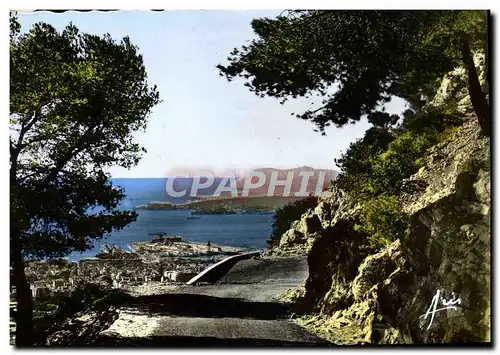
[[454, 85], [314, 223], [292, 237], [443, 259]]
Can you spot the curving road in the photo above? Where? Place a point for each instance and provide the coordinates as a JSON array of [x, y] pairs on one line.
[[240, 309]]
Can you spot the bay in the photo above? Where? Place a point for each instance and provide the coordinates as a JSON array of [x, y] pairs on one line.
[[239, 230]]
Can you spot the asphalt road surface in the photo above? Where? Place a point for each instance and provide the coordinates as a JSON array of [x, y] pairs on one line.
[[240, 309]]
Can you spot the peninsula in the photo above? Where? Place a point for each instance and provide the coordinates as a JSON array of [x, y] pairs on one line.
[[224, 205]]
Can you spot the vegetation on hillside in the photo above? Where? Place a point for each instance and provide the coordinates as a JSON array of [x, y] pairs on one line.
[[355, 62], [384, 156]]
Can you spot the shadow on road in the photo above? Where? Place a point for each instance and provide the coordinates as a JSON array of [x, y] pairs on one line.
[[192, 305], [184, 341]]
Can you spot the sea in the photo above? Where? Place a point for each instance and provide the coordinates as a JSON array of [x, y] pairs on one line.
[[240, 230]]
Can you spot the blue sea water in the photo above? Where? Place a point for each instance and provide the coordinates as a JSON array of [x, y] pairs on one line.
[[242, 230]]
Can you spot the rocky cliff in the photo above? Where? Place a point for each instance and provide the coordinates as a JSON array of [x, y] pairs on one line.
[[443, 259]]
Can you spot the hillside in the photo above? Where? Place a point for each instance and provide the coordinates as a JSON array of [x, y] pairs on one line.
[[225, 204], [386, 253], [296, 183], [259, 203], [258, 198]]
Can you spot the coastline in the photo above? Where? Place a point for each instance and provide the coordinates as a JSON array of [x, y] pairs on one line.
[[224, 204], [236, 229]]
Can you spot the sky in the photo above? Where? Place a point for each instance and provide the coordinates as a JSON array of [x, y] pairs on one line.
[[205, 122]]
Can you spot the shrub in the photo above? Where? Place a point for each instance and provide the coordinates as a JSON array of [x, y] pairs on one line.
[[399, 161], [357, 164], [382, 220]]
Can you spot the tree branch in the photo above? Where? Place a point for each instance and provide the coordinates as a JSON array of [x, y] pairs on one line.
[[79, 146]]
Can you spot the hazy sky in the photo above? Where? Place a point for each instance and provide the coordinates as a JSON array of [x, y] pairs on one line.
[[205, 121]]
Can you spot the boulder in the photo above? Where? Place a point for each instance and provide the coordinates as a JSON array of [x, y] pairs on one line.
[[377, 268], [291, 237], [323, 211], [309, 223]]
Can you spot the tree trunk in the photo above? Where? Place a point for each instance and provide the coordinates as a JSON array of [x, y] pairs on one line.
[[486, 48], [477, 98], [24, 313]]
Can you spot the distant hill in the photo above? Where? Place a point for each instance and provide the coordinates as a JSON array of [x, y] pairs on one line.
[[282, 174], [144, 190], [255, 203]]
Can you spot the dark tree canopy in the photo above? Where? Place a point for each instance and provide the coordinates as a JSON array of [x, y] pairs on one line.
[[367, 56], [75, 102]]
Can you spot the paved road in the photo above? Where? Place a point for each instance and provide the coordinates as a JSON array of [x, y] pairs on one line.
[[241, 309], [282, 271], [255, 280]]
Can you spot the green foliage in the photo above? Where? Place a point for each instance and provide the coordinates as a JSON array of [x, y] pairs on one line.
[[76, 101], [14, 25], [399, 160], [356, 165], [382, 220], [377, 162], [373, 166], [382, 119], [366, 56], [159, 205], [356, 61], [285, 215]]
